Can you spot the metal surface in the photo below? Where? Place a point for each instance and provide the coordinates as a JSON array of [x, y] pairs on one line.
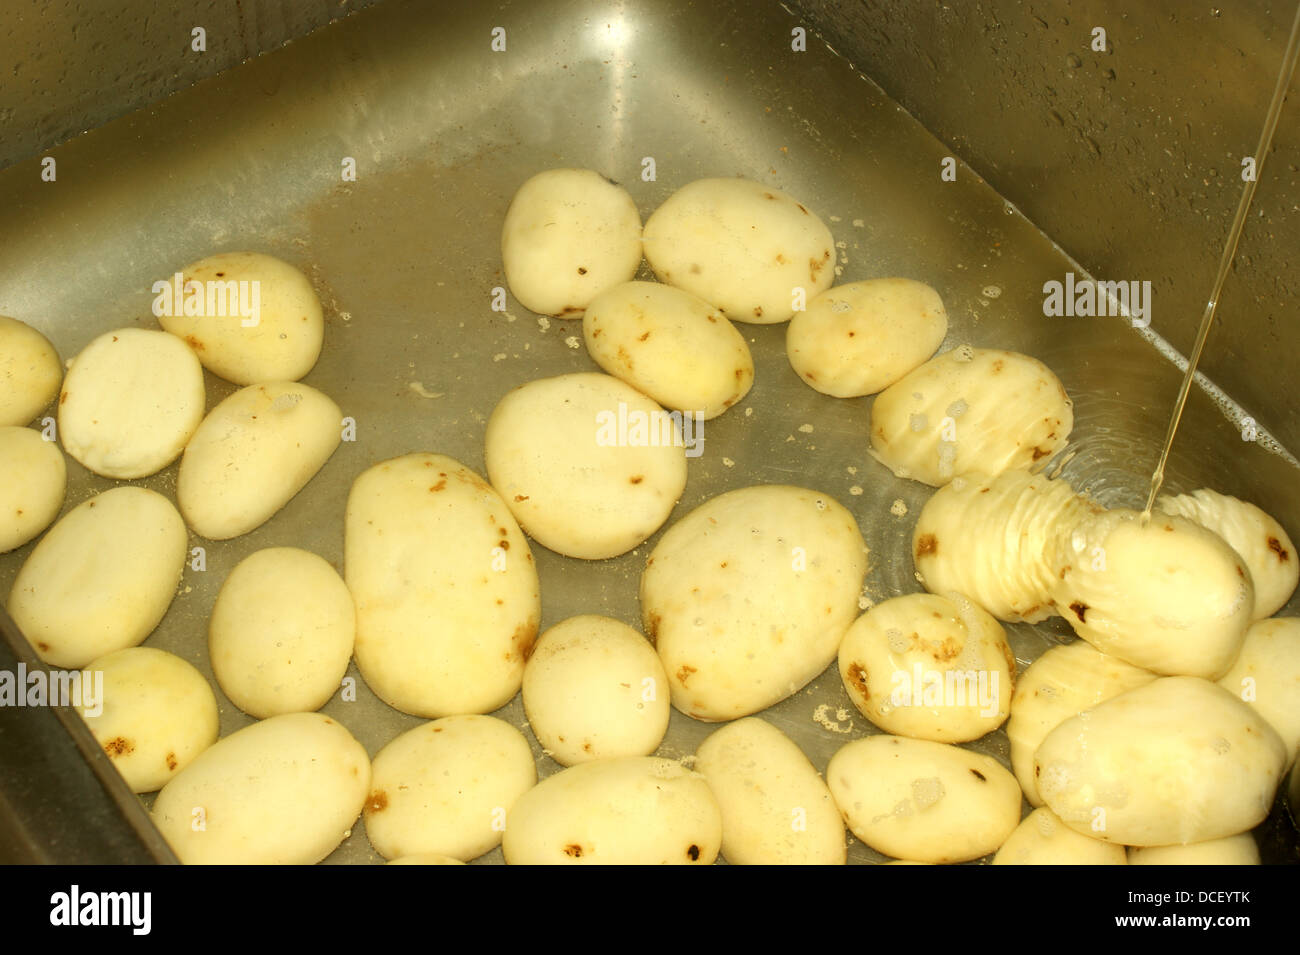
[[444, 130]]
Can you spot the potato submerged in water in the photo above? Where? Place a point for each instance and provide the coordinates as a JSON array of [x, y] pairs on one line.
[[29, 372], [569, 235], [741, 245], [748, 596], [33, 479], [1178, 760], [970, 409]]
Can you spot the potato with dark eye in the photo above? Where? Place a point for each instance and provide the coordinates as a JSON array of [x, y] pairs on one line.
[[569, 235]]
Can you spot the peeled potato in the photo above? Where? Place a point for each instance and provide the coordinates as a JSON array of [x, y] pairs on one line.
[[569, 235], [1061, 684], [970, 409], [1266, 676], [33, 478], [636, 810], [281, 632], [751, 250], [156, 714], [924, 801], [283, 791], [1042, 839], [1260, 541], [29, 372], [929, 667], [588, 465], [860, 338], [776, 809], [131, 402], [1178, 760], [445, 587], [595, 689], [251, 318], [748, 596], [992, 538], [670, 345], [102, 578], [252, 453], [448, 787], [1170, 596], [1230, 850]]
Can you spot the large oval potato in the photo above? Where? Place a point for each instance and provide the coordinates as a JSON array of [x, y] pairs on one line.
[[1178, 760], [860, 338], [155, 714], [33, 479], [1061, 684], [924, 801], [594, 689], [748, 596], [1230, 850], [992, 539], [741, 245], [1042, 839], [131, 402], [569, 235], [252, 453], [1168, 596], [445, 587], [636, 810], [249, 317], [970, 409], [1266, 676], [283, 791], [448, 787], [281, 632], [1256, 537], [30, 372], [929, 667], [102, 578], [776, 809], [588, 465], [670, 345]]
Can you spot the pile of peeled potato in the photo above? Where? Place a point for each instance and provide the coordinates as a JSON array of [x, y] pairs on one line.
[[1160, 736]]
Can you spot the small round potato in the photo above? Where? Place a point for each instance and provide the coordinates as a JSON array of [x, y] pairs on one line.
[[283, 791], [751, 250], [595, 689], [635, 810], [445, 587], [860, 338], [569, 235], [1061, 684], [588, 465], [670, 345], [929, 667], [252, 453], [1178, 760], [281, 632], [748, 596], [776, 809], [1042, 839], [1259, 539], [1168, 596], [249, 317], [970, 409], [33, 479], [131, 402], [448, 787], [29, 372], [921, 800], [102, 578], [989, 538], [1267, 676], [154, 713], [1230, 850]]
